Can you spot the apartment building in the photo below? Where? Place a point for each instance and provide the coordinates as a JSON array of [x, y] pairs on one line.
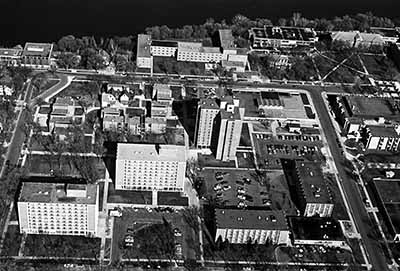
[[196, 52], [207, 110], [37, 55], [382, 138], [255, 226], [274, 37], [150, 167], [313, 195], [144, 58], [163, 48], [228, 129], [61, 209]]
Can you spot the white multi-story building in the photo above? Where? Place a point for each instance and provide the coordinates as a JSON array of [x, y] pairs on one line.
[[255, 226], [383, 138], [62, 209], [144, 58], [150, 167], [164, 48], [229, 124], [195, 52], [37, 55], [207, 110]]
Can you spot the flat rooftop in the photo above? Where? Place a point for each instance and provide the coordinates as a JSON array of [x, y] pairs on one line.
[[196, 47], [208, 104], [55, 193], [350, 36], [143, 45], [10, 52], [235, 115], [164, 43], [151, 152], [172, 199], [38, 49], [386, 32], [226, 38], [313, 182], [384, 131], [250, 219], [315, 228], [285, 33], [369, 107], [128, 196]]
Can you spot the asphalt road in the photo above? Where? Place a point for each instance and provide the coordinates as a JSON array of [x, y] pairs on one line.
[[14, 149], [361, 217]]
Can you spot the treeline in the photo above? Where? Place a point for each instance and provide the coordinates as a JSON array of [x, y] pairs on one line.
[[89, 53]]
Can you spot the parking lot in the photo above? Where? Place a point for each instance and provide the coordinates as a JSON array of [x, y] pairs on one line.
[[248, 189]]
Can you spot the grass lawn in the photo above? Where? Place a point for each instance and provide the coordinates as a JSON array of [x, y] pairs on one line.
[[12, 241], [381, 67], [48, 165], [171, 65], [62, 246], [342, 75], [153, 234]]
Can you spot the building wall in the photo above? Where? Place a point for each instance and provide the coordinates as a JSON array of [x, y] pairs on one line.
[[58, 218], [322, 209], [242, 236], [163, 51], [205, 126], [150, 175], [198, 56], [383, 143], [229, 138]]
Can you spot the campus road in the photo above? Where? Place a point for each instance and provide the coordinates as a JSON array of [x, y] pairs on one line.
[[360, 215], [18, 136]]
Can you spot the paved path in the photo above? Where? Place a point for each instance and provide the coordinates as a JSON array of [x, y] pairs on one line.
[[65, 81]]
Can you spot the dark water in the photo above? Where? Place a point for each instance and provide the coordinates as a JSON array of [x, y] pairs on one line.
[[48, 20]]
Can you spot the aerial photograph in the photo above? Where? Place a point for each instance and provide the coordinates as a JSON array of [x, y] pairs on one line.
[[200, 135]]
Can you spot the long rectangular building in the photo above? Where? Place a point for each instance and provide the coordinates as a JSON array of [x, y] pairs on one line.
[[196, 52], [313, 193], [207, 110], [256, 226], [61, 209], [143, 56], [270, 37], [150, 167]]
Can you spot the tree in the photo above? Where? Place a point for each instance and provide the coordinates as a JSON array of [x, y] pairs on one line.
[[91, 59], [68, 44], [67, 60]]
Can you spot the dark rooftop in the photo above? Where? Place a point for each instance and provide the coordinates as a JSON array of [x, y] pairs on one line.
[[128, 196], [250, 219], [313, 182], [172, 199], [315, 228], [164, 43]]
